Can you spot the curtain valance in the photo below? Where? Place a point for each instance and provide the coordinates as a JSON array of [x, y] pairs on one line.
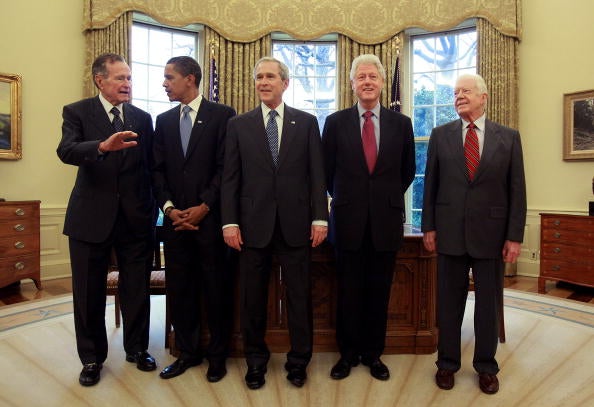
[[368, 22]]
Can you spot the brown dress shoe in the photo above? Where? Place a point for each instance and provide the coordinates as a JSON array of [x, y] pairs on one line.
[[444, 379], [488, 383]]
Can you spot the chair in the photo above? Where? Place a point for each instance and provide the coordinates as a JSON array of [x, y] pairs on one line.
[[501, 316], [156, 287]]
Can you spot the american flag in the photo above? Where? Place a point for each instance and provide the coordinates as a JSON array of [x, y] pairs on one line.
[[213, 94], [395, 95]]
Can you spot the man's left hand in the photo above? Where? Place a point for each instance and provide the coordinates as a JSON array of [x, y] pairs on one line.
[[190, 218], [318, 234]]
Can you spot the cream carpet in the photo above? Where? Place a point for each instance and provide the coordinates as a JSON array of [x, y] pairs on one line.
[[548, 360]]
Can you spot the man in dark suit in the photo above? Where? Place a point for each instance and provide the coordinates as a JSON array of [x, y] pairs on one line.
[[187, 180], [474, 213], [274, 202], [111, 207], [370, 162]]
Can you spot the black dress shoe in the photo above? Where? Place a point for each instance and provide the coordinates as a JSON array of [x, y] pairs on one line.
[[444, 379], [254, 377], [90, 374], [216, 371], [342, 368], [296, 374], [144, 361], [377, 369], [178, 367], [488, 383]]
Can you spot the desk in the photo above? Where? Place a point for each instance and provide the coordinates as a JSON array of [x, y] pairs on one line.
[[411, 312]]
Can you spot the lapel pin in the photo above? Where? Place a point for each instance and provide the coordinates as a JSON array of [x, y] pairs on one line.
[[292, 121], [199, 121]]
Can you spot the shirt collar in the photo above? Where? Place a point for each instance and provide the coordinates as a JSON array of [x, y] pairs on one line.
[[194, 104], [280, 110], [375, 110], [479, 123], [108, 106]]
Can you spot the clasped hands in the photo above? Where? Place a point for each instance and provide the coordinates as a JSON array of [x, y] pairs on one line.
[[188, 219]]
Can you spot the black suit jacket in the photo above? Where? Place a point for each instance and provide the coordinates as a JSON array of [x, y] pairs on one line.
[[196, 177], [254, 193], [106, 183], [360, 198], [476, 217]]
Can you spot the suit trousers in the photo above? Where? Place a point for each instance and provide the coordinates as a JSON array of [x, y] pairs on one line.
[[197, 268], [364, 280], [90, 262], [255, 266], [452, 291]]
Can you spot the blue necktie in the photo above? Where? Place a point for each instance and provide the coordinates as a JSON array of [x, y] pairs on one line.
[[118, 124], [272, 136], [185, 128]]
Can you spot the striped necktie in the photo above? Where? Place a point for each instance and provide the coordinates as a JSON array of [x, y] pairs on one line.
[[471, 151], [272, 136]]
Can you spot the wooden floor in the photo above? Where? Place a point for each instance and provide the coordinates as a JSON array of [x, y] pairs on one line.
[[18, 293]]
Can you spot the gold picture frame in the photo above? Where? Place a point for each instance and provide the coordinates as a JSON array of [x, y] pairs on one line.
[[10, 117], [578, 125]]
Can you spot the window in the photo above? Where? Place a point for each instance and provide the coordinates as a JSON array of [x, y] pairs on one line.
[[312, 65], [152, 46], [437, 60]]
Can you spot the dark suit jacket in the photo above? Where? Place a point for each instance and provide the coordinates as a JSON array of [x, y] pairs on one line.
[[254, 192], [476, 217], [105, 184], [196, 177], [359, 198]]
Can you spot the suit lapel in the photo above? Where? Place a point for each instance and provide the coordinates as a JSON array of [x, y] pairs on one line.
[[258, 134], [353, 137], [100, 119], [455, 145], [386, 139], [288, 134], [202, 117], [490, 142]]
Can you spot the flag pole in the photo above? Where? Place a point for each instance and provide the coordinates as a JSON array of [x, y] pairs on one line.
[[395, 97]]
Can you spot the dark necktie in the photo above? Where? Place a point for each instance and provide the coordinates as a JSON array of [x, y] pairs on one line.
[[185, 128], [272, 136], [118, 124], [471, 151], [369, 144]]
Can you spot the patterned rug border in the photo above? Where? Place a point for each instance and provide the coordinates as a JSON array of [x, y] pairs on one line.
[[16, 316]]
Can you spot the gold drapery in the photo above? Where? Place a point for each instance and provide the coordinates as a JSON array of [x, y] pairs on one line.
[[369, 22], [235, 64], [498, 65], [113, 38], [349, 49]]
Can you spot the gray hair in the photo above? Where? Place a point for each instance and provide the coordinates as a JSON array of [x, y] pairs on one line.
[[284, 69], [367, 59], [478, 81]]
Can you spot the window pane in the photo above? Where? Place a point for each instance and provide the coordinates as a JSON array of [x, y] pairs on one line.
[[437, 60], [313, 76]]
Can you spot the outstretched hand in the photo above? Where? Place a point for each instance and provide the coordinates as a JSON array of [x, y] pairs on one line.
[[118, 141]]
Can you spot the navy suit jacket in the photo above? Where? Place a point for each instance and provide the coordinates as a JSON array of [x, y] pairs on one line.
[[109, 183], [195, 178], [254, 192], [474, 217], [360, 198]]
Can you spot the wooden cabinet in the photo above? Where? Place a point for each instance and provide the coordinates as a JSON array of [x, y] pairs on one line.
[[19, 242], [566, 249]]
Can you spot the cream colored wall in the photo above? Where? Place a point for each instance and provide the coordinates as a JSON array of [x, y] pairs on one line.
[[46, 46], [556, 57]]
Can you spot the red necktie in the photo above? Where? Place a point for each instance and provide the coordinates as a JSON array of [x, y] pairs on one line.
[[369, 144], [471, 151]]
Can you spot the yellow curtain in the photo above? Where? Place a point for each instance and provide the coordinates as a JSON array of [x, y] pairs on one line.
[[113, 38], [370, 22], [235, 64], [498, 64], [349, 49]]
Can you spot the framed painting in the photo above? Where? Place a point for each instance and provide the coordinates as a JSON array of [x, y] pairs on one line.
[[10, 117], [578, 125]]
